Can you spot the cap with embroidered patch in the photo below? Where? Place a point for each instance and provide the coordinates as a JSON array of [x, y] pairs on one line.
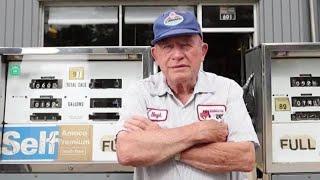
[[175, 23]]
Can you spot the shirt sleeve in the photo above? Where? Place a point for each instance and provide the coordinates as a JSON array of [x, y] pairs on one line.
[[237, 117], [133, 103]]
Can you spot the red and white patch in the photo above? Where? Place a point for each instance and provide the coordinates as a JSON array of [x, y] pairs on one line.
[[157, 114], [211, 112]]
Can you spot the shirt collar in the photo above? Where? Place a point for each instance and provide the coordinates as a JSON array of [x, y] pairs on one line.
[[160, 87], [204, 85]]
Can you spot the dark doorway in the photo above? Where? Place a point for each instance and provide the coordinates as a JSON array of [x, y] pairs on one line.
[[225, 54]]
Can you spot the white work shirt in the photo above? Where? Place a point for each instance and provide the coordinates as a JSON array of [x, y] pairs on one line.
[[214, 97]]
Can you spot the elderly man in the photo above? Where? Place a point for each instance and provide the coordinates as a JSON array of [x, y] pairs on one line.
[[183, 123]]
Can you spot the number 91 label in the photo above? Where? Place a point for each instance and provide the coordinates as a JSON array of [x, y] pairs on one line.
[[282, 104]]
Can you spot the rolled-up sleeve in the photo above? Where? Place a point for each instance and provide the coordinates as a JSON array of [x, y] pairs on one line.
[[133, 103], [237, 117]]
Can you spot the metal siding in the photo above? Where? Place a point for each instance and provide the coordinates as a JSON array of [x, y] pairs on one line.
[[261, 21], [317, 14], [295, 23], [27, 16], [300, 24], [18, 23], [35, 23], [286, 21], [304, 21], [316, 21], [277, 21], [9, 23], [268, 20], [2, 21]]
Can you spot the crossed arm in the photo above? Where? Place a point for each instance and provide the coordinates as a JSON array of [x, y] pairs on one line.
[[221, 157], [201, 144]]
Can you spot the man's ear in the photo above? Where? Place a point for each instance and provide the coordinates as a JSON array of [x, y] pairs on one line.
[[204, 50], [154, 53]]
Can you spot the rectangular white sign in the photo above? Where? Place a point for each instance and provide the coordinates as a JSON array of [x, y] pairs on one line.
[[104, 146], [296, 142]]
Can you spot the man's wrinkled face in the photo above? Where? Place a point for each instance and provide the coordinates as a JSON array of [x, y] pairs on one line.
[[180, 57]]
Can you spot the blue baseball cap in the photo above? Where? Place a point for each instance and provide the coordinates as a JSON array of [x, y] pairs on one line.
[[175, 23]]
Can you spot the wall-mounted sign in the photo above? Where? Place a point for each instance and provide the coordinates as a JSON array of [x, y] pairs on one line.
[[228, 14]]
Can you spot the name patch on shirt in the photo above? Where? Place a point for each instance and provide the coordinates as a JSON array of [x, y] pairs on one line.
[[211, 112], [157, 114]]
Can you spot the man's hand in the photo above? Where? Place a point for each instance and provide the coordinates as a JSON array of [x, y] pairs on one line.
[[140, 123], [211, 131]]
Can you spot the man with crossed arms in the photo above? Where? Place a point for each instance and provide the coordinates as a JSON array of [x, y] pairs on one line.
[[184, 123]]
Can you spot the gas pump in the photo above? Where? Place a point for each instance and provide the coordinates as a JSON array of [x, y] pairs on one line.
[[285, 90], [59, 107]]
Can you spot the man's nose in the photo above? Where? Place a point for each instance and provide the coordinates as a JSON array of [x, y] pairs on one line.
[[177, 54]]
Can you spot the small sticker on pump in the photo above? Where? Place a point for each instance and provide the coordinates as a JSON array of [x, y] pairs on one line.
[[282, 104], [14, 70], [76, 73]]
